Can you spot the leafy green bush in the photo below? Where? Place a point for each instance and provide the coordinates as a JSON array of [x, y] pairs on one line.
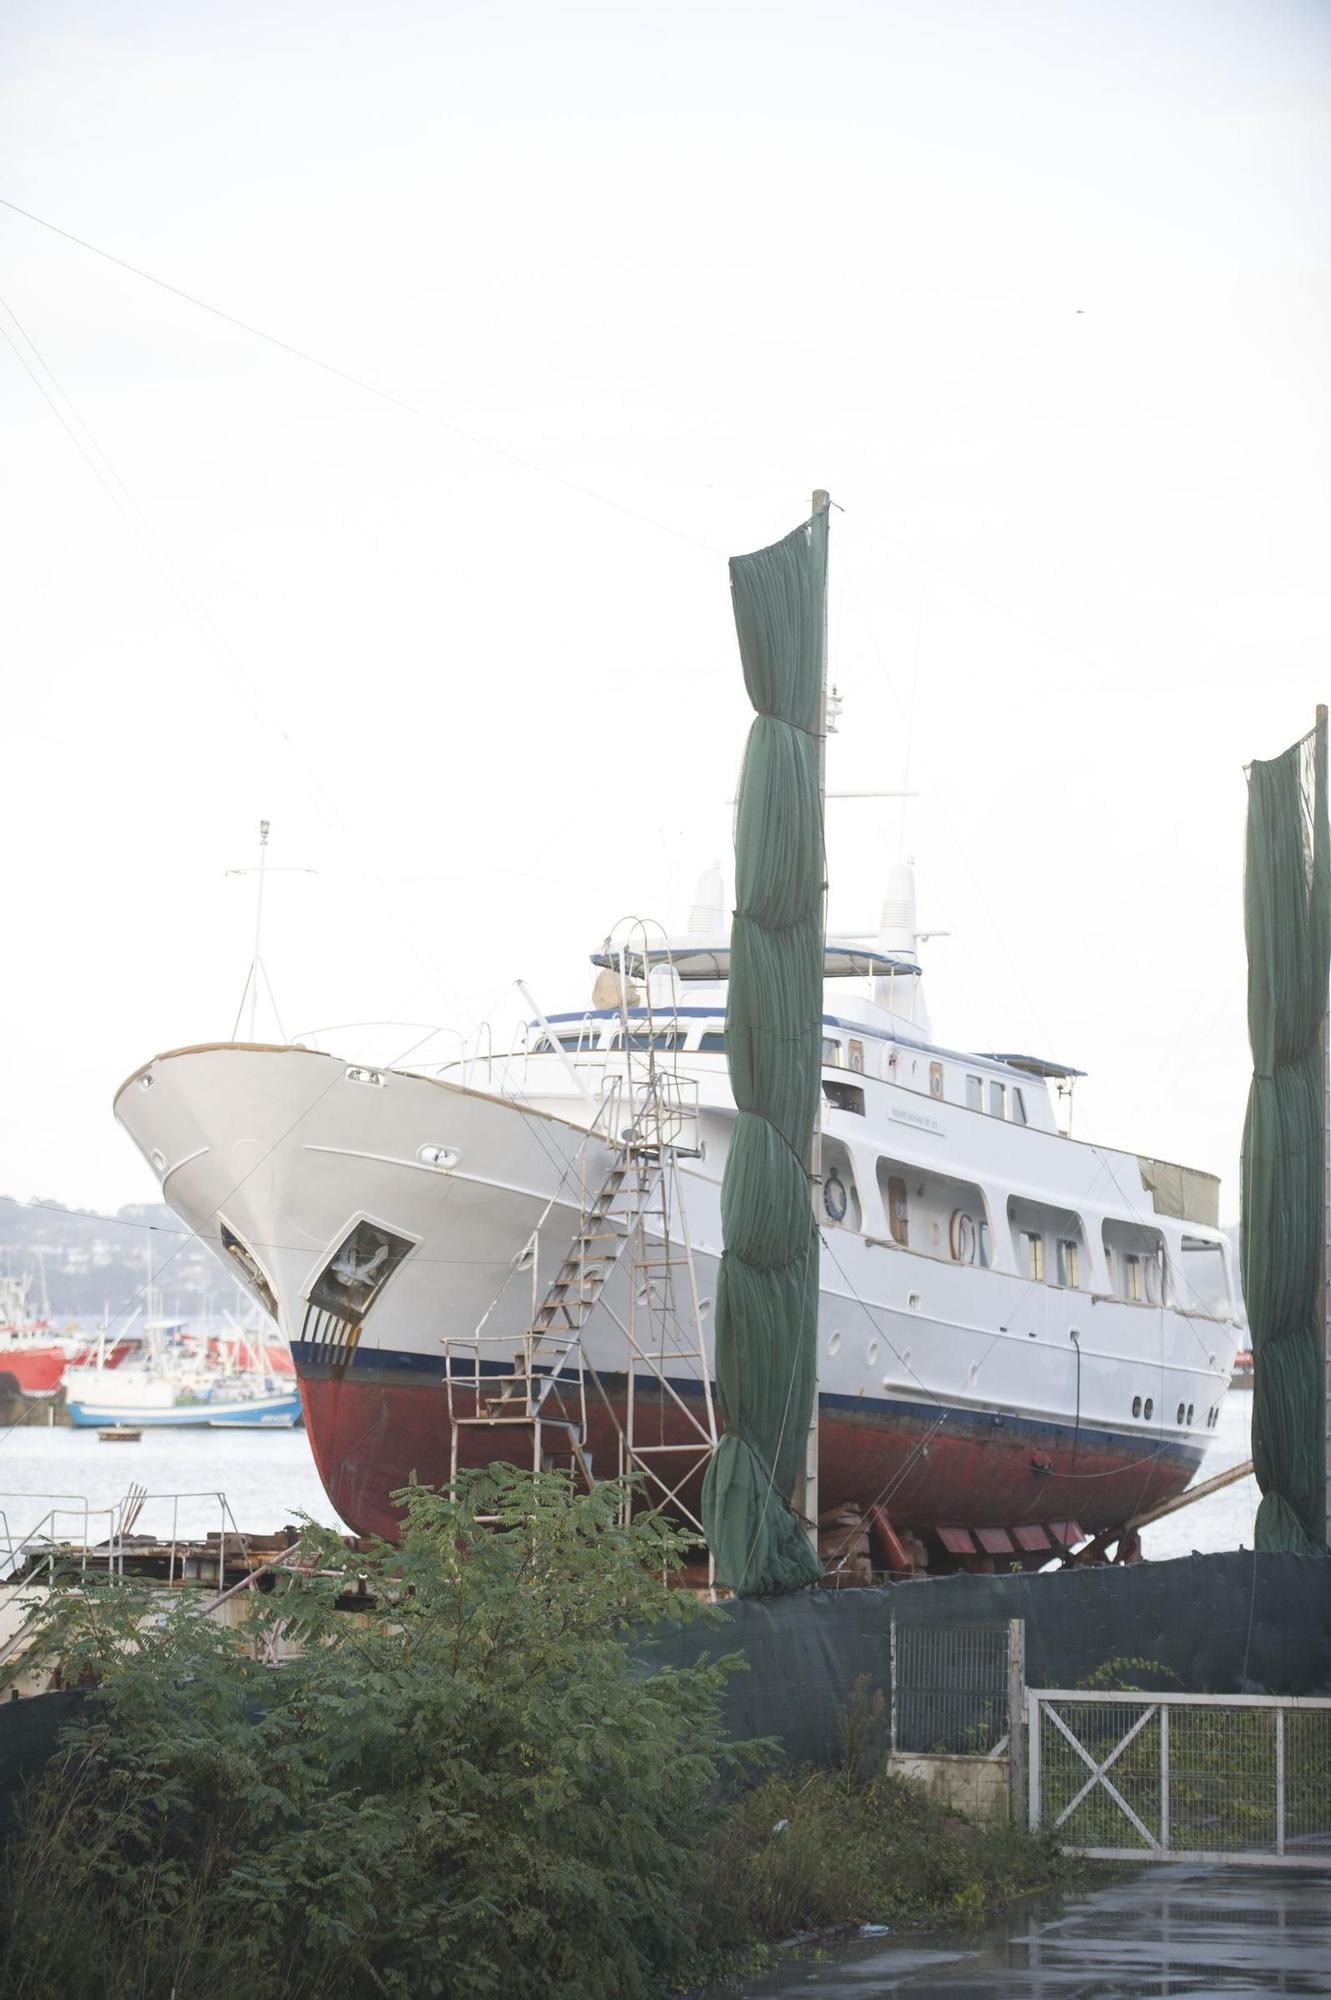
[[1129, 1675], [464, 1786], [461, 1789]]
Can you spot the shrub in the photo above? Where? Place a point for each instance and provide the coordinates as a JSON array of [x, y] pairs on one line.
[[462, 1789]]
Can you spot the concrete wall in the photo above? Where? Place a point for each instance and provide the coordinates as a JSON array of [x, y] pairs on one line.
[[975, 1786]]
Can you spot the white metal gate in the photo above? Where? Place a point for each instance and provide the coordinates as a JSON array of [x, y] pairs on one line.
[[1184, 1777]]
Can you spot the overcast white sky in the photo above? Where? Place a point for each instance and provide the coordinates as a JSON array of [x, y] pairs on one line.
[[1039, 291]]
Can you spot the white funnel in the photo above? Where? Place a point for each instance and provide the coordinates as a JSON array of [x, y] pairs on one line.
[[897, 929], [898, 935], [707, 918]]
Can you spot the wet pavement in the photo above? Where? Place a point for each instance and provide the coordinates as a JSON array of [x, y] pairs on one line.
[[1170, 1929]]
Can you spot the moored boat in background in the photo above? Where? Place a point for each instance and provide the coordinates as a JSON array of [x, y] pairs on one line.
[[168, 1377], [32, 1355]]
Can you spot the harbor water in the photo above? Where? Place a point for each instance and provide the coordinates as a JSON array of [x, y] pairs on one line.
[[268, 1479]]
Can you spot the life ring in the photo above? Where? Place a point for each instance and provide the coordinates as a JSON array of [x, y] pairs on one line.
[[835, 1200], [961, 1237]]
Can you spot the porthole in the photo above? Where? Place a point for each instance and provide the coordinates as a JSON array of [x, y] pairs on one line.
[[913, 1301], [834, 1343], [159, 1159], [1179, 1418], [1190, 1416], [1147, 1408], [1136, 1406], [834, 1197], [871, 1352]]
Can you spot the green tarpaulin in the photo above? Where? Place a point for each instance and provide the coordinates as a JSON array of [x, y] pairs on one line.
[[1287, 920], [767, 1294]]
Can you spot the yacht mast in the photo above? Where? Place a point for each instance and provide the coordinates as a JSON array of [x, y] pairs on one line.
[[806, 1492]]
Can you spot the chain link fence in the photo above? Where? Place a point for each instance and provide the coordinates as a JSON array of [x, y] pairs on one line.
[[949, 1689]]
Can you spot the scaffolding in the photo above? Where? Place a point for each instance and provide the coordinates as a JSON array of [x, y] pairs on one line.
[[635, 1215]]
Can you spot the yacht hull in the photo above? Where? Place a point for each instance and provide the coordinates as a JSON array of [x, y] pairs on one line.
[[928, 1468]]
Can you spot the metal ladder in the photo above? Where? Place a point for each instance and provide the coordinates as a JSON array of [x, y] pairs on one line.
[[536, 1393]]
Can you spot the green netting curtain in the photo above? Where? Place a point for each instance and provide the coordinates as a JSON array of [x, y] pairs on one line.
[[767, 1294], [1287, 920]]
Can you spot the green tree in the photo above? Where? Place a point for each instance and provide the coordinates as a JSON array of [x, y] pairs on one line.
[[465, 1786]]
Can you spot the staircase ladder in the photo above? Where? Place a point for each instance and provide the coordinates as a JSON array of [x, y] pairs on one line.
[[536, 1393]]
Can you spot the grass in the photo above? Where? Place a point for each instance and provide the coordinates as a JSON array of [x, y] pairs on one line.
[[809, 1850]]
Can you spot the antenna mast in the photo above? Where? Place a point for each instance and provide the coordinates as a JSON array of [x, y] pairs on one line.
[[258, 970], [1324, 1293], [806, 1492], [256, 961]]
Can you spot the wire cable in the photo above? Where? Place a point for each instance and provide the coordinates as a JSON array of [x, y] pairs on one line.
[[368, 388]]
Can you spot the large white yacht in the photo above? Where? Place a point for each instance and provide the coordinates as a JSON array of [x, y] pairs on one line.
[[1023, 1338]]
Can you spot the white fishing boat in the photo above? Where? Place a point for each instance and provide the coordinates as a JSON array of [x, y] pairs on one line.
[[173, 1380]]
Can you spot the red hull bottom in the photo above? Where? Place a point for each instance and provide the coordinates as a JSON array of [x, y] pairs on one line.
[[931, 1472], [32, 1371]]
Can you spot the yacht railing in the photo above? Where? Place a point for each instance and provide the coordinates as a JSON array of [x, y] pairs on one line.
[[39, 1548]]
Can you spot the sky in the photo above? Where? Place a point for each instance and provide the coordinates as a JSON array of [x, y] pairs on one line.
[[1039, 292]]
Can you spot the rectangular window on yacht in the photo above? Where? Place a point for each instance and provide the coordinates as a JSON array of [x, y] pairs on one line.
[[1034, 1256], [1132, 1277], [974, 1093], [831, 1053], [1067, 1263], [715, 1045], [856, 1057], [997, 1104], [1018, 1107]]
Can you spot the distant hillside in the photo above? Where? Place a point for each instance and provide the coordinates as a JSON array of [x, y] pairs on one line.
[[89, 1264]]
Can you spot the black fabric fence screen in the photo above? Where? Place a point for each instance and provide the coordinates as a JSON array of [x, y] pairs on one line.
[[1223, 1624]]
